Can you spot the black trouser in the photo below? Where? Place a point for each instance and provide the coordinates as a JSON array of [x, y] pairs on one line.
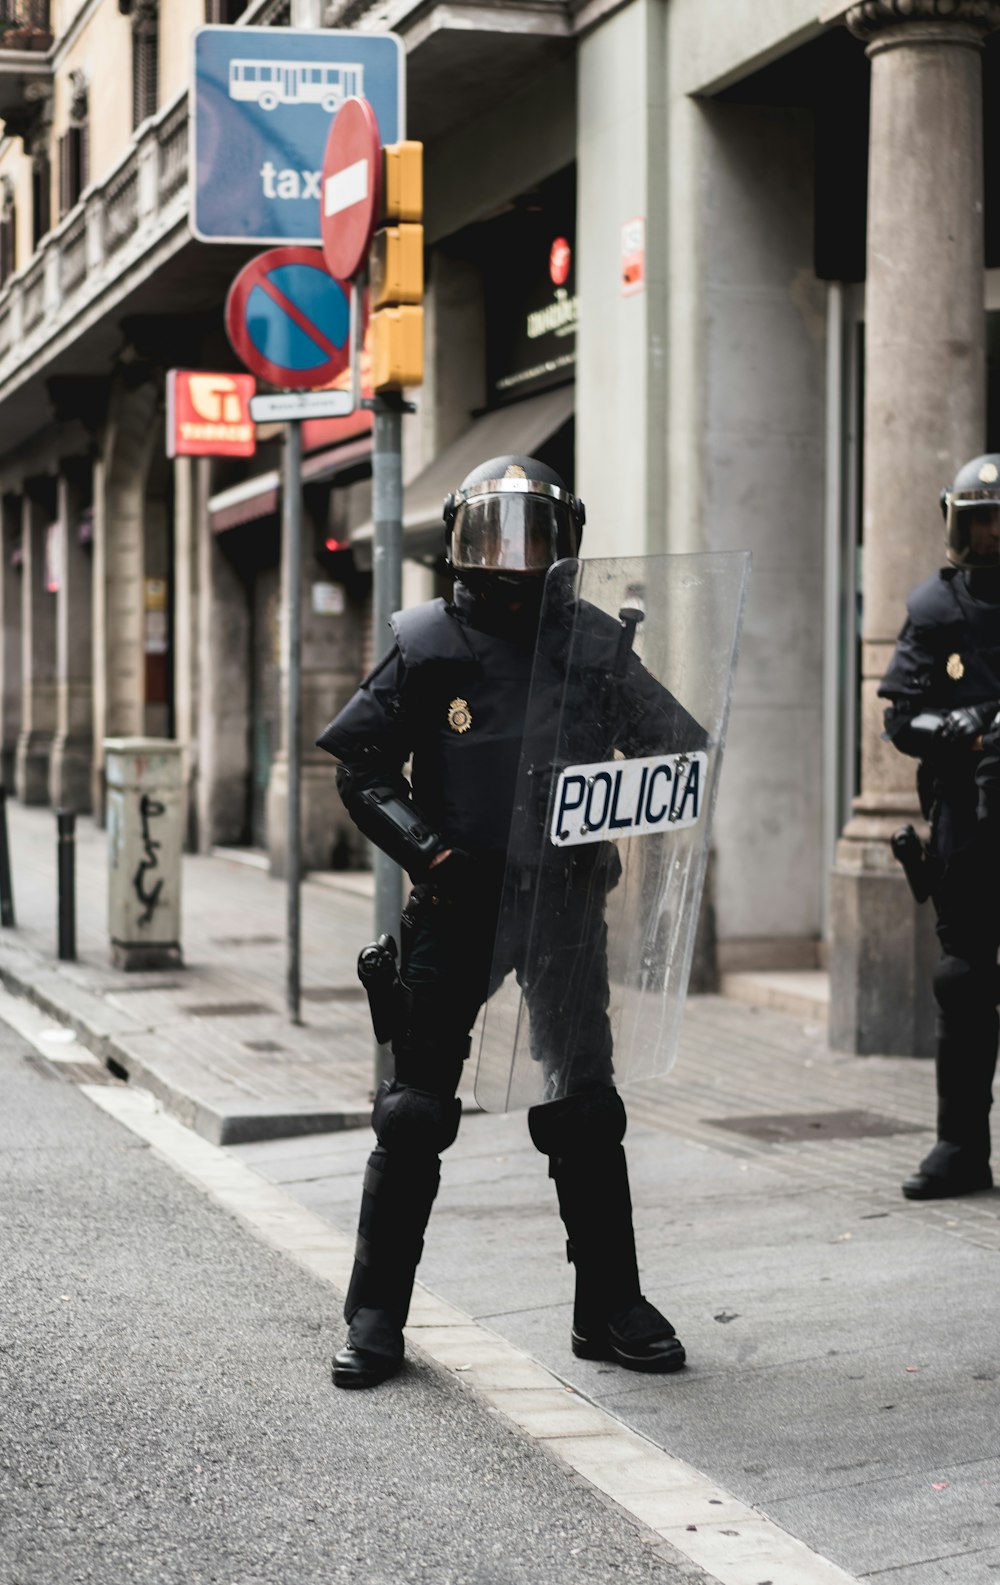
[[965, 988], [449, 966]]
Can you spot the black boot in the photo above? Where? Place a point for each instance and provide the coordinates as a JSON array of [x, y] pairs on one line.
[[611, 1318], [395, 1207], [966, 1059]]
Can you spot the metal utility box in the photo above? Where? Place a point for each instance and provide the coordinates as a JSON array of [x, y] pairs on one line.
[[145, 815]]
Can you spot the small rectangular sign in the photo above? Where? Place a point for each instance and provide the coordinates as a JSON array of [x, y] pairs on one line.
[[633, 256], [301, 404], [628, 798], [208, 414]]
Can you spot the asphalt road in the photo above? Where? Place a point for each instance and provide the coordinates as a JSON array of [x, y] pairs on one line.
[[166, 1412]]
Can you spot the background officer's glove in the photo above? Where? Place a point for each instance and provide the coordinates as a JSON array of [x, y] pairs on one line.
[[961, 727]]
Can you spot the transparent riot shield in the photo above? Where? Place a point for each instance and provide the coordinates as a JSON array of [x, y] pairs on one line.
[[610, 832]]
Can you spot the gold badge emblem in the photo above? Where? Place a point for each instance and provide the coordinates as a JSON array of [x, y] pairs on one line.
[[459, 715], [954, 667], [988, 473]]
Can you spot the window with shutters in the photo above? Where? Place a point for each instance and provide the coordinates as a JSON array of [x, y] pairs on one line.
[[8, 230], [145, 59], [41, 196], [224, 10]]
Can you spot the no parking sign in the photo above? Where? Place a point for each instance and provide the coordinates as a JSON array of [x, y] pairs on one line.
[[288, 320]]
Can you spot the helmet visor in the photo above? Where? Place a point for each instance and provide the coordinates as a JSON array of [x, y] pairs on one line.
[[512, 532], [972, 529]]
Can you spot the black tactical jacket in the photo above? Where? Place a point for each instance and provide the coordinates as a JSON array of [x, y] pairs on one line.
[[453, 694]]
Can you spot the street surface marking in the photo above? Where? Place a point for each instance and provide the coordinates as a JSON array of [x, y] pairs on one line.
[[733, 1543]]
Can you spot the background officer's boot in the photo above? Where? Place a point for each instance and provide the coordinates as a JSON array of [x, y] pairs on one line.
[[395, 1207], [611, 1318], [966, 1059]]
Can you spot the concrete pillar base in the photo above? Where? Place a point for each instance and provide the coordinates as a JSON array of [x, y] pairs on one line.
[[133, 958], [70, 772], [882, 956], [31, 767], [327, 832]]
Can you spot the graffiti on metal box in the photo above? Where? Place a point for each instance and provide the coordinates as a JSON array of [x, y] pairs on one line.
[[150, 809]]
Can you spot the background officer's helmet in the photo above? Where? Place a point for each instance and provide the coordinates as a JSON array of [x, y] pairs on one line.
[[971, 510], [511, 515]]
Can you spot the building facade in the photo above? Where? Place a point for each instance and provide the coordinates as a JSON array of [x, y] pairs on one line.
[[731, 266]]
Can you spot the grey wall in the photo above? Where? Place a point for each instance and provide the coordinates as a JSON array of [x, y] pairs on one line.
[[756, 427]]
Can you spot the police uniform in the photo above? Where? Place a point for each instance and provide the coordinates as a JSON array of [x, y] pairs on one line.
[[944, 687], [451, 698]]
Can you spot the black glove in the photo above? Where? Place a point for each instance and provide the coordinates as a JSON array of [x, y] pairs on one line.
[[961, 727]]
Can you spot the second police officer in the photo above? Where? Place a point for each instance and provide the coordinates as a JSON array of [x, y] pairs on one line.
[[451, 697], [944, 691]]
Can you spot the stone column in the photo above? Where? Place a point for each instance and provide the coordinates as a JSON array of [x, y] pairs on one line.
[[72, 760], [38, 650], [330, 635], [924, 416], [10, 637], [223, 699]]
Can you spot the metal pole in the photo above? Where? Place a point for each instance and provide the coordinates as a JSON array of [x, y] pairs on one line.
[[387, 514], [6, 885], [292, 537], [66, 827]]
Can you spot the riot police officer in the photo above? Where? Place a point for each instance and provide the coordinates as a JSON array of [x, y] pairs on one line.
[[452, 693], [944, 688]]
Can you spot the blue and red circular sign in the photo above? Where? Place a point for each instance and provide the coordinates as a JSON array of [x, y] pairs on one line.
[[288, 320]]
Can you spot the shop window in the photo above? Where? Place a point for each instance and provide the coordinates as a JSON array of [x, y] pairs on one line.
[[8, 230]]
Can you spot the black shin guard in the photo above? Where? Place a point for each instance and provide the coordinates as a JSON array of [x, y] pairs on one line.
[[395, 1208]]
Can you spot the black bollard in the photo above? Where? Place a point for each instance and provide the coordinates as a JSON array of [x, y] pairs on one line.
[[6, 885], [66, 824]]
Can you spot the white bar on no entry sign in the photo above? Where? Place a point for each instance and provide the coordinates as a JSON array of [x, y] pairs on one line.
[[347, 187], [300, 404]]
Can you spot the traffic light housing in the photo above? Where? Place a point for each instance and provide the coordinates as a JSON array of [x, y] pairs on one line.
[[397, 272]]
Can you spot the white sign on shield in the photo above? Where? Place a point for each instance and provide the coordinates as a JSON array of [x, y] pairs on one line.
[[628, 798]]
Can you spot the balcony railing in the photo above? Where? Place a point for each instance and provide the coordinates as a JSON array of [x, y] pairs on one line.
[[116, 221], [24, 25]]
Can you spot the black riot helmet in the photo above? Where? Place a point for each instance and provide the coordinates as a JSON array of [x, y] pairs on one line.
[[971, 510], [510, 518]]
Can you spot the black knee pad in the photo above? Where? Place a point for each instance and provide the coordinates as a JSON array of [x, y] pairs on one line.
[[957, 983], [579, 1125], [414, 1122]]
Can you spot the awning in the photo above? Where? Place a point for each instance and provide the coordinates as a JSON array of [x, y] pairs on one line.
[[517, 430], [260, 496]]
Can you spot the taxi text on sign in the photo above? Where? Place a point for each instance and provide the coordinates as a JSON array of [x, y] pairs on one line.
[[263, 99]]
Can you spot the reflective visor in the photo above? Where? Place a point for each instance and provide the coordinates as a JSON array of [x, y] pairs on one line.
[[512, 531], [972, 529]]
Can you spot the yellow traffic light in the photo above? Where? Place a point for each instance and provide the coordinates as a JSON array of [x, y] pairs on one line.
[[403, 184], [396, 266], [397, 342]]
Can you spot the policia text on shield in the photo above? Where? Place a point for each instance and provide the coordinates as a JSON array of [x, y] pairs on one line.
[[503, 699]]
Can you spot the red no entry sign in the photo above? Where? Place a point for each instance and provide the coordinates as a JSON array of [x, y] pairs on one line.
[[351, 188], [288, 320]]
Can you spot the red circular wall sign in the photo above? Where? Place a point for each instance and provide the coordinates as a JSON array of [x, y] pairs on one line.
[[560, 258], [350, 189]]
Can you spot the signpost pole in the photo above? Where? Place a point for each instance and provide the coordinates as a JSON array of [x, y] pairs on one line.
[[292, 536], [387, 566]]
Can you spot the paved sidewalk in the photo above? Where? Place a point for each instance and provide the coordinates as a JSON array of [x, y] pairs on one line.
[[844, 1372]]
